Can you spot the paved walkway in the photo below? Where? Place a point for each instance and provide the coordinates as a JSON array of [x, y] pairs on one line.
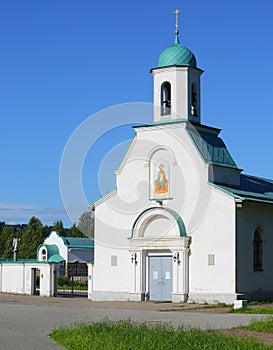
[[26, 321]]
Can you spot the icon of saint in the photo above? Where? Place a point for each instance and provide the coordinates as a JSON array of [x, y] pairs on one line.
[[161, 184]]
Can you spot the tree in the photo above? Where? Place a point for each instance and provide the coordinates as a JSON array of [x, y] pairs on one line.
[[6, 242], [86, 223], [30, 238], [75, 232], [58, 226]]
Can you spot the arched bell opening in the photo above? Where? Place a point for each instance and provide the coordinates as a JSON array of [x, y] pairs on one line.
[[194, 101], [166, 98]]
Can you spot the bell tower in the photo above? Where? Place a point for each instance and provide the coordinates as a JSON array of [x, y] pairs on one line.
[[177, 83]]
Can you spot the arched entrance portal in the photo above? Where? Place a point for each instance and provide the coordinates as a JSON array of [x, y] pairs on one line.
[[159, 256]]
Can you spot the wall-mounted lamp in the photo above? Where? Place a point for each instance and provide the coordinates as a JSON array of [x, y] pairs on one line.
[[176, 258], [134, 258]]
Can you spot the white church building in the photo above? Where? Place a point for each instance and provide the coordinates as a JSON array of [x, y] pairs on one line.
[[184, 222]]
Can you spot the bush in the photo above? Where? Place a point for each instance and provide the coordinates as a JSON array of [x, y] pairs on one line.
[[81, 284], [64, 281]]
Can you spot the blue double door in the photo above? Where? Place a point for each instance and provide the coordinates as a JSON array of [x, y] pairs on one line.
[[160, 278]]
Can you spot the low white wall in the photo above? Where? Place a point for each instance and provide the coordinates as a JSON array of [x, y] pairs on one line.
[[17, 277]]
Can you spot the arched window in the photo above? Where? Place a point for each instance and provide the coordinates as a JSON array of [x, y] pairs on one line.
[[194, 109], [166, 98], [44, 254], [257, 251]]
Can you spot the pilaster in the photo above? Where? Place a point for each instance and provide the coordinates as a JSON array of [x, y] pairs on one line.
[[181, 272]]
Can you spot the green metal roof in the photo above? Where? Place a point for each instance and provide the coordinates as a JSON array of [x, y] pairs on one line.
[[252, 188], [102, 197], [159, 123], [52, 252], [211, 147], [78, 243], [178, 55], [52, 249], [56, 258], [21, 261]]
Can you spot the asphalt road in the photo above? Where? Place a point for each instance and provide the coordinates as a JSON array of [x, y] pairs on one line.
[[25, 321]]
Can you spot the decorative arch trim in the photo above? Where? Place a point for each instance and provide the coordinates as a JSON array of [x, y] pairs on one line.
[[160, 148], [174, 214]]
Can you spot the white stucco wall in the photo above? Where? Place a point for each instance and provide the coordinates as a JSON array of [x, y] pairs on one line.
[[17, 278], [111, 240], [111, 282], [13, 278], [214, 236], [250, 217]]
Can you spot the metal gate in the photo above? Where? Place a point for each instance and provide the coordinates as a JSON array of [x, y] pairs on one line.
[[160, 278], [35, 281], [75, 283]]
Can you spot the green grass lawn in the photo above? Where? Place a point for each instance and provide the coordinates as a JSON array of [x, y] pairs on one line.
[[265, 326], [257, 310], [125, 335]]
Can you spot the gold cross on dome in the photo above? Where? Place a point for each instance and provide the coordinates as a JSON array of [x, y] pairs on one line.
[[176, 12]]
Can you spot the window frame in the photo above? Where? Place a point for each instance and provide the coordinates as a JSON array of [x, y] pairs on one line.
[[257, 251]]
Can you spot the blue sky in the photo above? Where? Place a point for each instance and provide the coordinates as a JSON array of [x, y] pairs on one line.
[[64, 60]]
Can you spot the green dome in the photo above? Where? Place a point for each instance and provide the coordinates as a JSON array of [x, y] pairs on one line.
[[176, 55]]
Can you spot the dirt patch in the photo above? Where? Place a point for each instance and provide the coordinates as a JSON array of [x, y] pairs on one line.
[[215, 310], [209, 308], [265, 338]]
